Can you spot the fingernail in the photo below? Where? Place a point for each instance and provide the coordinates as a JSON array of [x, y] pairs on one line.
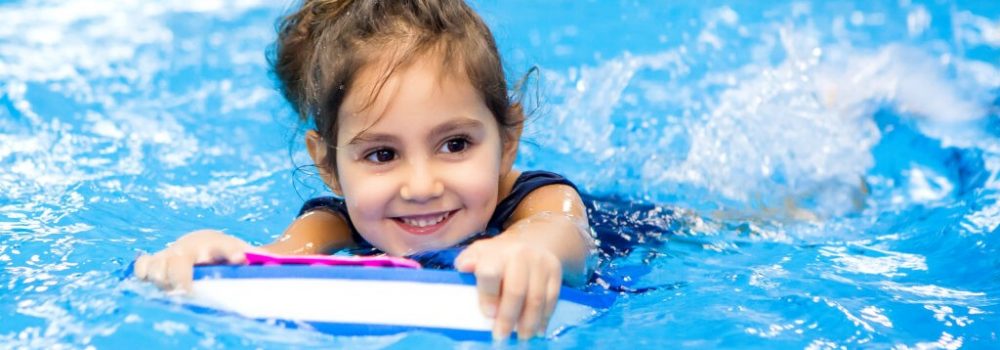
[[499, 335], [489, 310], [237, 258]]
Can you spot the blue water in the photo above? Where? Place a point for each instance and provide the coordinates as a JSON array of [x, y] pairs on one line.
[[801, 175]]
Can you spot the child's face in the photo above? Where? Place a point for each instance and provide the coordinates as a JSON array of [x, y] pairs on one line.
[[419, 169]]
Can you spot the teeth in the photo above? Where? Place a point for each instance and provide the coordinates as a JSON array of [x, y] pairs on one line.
[[424, 222]]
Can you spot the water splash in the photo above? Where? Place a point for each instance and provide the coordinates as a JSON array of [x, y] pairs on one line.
[[801, 129]]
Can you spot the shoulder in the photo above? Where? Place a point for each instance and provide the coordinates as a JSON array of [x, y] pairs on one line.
[[543, 191], [331, 204], [516, 184], [551, 197]]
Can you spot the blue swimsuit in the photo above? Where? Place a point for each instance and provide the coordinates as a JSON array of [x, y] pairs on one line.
[[527, 182]]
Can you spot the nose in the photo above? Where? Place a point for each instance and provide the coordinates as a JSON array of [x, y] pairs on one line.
[[421, 185]]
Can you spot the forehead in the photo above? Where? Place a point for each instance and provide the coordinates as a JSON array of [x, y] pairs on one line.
[[421, 91]]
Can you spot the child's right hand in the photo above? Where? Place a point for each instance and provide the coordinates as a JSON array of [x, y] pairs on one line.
[[173, 268]]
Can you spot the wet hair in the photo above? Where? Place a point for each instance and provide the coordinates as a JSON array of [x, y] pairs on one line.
[[324, 44]]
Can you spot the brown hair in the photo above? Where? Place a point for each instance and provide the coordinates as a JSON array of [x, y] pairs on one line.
[[322, 46]]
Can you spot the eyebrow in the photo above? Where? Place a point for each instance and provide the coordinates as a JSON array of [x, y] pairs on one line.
[[457, 124], [367, 137], [446, 128]]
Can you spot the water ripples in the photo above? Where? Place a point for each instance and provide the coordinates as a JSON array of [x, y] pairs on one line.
[[800, 175]]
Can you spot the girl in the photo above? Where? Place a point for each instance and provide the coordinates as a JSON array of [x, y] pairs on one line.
[[416, 134]]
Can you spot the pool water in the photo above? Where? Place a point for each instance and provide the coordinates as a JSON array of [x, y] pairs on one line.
[[803, 174]]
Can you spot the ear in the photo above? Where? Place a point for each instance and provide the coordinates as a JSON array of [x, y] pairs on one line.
[[318, 151], [511, 138]]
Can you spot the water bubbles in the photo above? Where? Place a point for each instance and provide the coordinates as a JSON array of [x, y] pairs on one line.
[[756, 118], [977, 30], [929, 293], [171, 328], [885, 263], [927, 187], [876, 315], [917, 21]]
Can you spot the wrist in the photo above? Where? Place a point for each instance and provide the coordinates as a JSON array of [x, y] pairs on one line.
[[566, 237]]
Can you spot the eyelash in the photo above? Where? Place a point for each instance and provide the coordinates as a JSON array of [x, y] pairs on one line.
[[372, 156], [368, 156], [463, 138]]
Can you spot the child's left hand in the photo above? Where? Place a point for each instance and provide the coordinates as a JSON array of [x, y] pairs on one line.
[[518, 284]]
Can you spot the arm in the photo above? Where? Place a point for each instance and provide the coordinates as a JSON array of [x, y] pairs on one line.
[[554, 218], [519, 272], [315, 232]]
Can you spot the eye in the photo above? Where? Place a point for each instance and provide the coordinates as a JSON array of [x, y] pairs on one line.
[[382, 155], [455, 145]]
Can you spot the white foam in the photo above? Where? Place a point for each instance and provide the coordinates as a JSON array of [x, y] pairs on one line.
[[977, 30], [803, 126], [917, 20]]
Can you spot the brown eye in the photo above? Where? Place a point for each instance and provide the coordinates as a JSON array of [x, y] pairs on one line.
[[381, 156], [455, 145]]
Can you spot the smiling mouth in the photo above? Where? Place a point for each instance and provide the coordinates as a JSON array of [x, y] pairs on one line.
[[424, 224]]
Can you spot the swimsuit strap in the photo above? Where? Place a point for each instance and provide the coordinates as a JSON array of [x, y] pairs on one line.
[[523, 186]]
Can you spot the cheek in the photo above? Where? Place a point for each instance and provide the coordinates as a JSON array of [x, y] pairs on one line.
[[366, 196], [477, 182], [366, 204]]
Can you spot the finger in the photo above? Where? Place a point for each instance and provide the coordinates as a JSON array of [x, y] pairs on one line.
[[203, 256], [156, 272], [515, 285], [237, 251], [466, 260], [236, 254], [210, 254], [534, 304], [180, 271], [553, 286], [139, 269], [488, 277], [223, 253]]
